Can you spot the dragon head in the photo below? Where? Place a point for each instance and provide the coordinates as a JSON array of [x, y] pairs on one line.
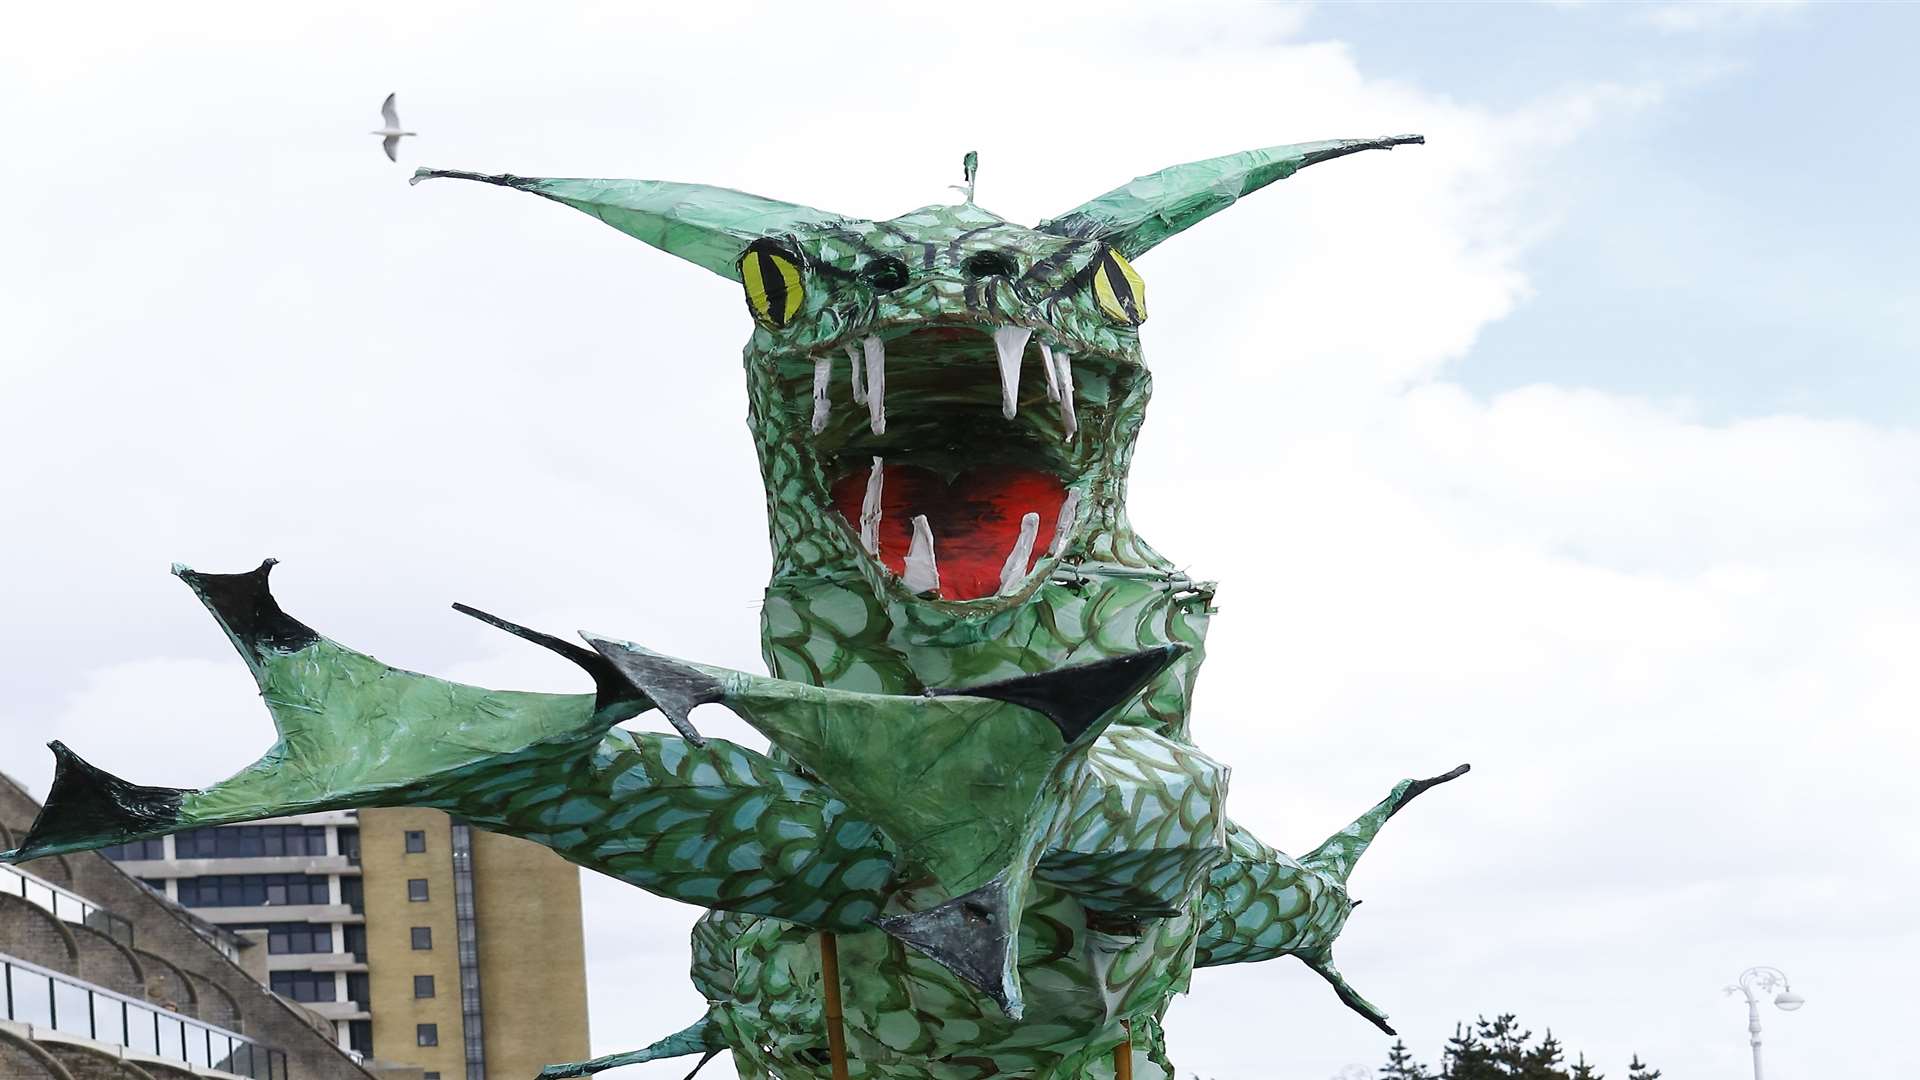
[[944, 403]]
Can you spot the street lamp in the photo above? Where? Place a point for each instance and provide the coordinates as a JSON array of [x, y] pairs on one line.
[[1764, 980]]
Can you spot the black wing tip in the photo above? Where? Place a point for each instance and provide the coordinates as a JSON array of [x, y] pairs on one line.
[[1417, 787], [1077, 698], [610, 687], [89, 807], [500, 179], [673, 687], [244, 605], [971, 935]]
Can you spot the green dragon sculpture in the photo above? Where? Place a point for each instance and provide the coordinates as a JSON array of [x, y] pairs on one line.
[[980, 779]]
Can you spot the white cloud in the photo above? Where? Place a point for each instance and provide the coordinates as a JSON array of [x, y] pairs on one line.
[[1718, 15]]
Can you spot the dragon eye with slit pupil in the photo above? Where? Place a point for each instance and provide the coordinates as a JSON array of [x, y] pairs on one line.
[[1118, 288], [772, 278]]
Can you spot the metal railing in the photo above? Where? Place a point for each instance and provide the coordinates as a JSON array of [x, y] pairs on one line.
[[45, 998], [64, 903]]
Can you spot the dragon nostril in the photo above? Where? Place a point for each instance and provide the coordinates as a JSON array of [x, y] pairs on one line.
[[885, 273], [991, 264]]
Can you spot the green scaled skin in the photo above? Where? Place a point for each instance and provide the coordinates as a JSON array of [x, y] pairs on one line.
[[981, 776]]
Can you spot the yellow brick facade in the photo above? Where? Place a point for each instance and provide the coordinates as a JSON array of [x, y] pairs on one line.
[[532, 954]]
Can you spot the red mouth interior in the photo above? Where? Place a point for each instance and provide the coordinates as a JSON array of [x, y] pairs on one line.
[[975, 519]]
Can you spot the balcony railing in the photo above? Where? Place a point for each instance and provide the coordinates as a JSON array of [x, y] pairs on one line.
[[45, 998], [64, 903]]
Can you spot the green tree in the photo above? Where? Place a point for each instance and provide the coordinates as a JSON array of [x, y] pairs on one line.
[[1401, 1066], [1466, 1057], [1500, 1049]]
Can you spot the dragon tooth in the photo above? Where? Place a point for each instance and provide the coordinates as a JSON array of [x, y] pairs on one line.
[[1046, 368], [876, 356], [1010, 342], [1063, 528], [859, 385], [870, 509], [922, 574], [822, 372], [1015, 567], [1063, 370]]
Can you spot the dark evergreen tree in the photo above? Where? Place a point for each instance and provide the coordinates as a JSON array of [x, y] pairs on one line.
[[1638, 1070], [1466, 1057], [1401, 1066], [1543, 1062], [1583, 1071]]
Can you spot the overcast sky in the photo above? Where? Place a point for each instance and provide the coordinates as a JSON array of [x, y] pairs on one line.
[[1577, 444]]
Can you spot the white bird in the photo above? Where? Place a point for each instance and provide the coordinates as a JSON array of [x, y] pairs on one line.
[[391, 133]]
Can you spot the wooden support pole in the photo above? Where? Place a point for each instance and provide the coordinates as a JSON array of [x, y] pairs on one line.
[[1123, 1054], [830, 980]]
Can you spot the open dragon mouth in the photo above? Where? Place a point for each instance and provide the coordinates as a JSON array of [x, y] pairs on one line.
[[959, 464]]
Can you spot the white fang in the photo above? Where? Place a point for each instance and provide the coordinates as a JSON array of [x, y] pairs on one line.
[[859, 385], [1010, 342], [1063, 369], [1015, 567], [1063, 528], [870, 509], [876, 351], [822, 373], [922, 573], [1046, 368]]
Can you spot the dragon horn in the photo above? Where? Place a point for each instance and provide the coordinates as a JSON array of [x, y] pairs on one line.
[[1341, 850], [707, 226], [1133, 218]]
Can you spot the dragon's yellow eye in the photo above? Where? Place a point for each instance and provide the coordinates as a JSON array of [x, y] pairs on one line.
[[772, 278], [1118, 288]]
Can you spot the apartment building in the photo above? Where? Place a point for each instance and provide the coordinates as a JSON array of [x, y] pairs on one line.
[[422, 940]]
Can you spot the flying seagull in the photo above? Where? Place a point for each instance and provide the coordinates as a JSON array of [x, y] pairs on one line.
[[390, 133]]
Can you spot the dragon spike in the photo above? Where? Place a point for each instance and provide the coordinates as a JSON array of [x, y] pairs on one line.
[[1337, 855], [1322, 965], [702, 1037], [972, 935], [89, 806], [1074, 698], [611, 688], [675, 688], [1133, 218], [707, 226]]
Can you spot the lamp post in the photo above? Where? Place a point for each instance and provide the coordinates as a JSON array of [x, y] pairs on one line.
[[1763, 980]]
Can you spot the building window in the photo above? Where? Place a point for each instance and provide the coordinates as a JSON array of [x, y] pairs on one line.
[[303, 985], [426, 1034], [430, 1076], [155, 848], [423, 937], [360, 1037], [353, 894], [423, 986], [250, 842], [356, 940], [358, 988], [417, 888], [416, 841], [349, 840], [284, 938], [253, 890]]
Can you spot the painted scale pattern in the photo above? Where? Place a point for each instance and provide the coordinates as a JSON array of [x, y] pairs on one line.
[[1125, 872]]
